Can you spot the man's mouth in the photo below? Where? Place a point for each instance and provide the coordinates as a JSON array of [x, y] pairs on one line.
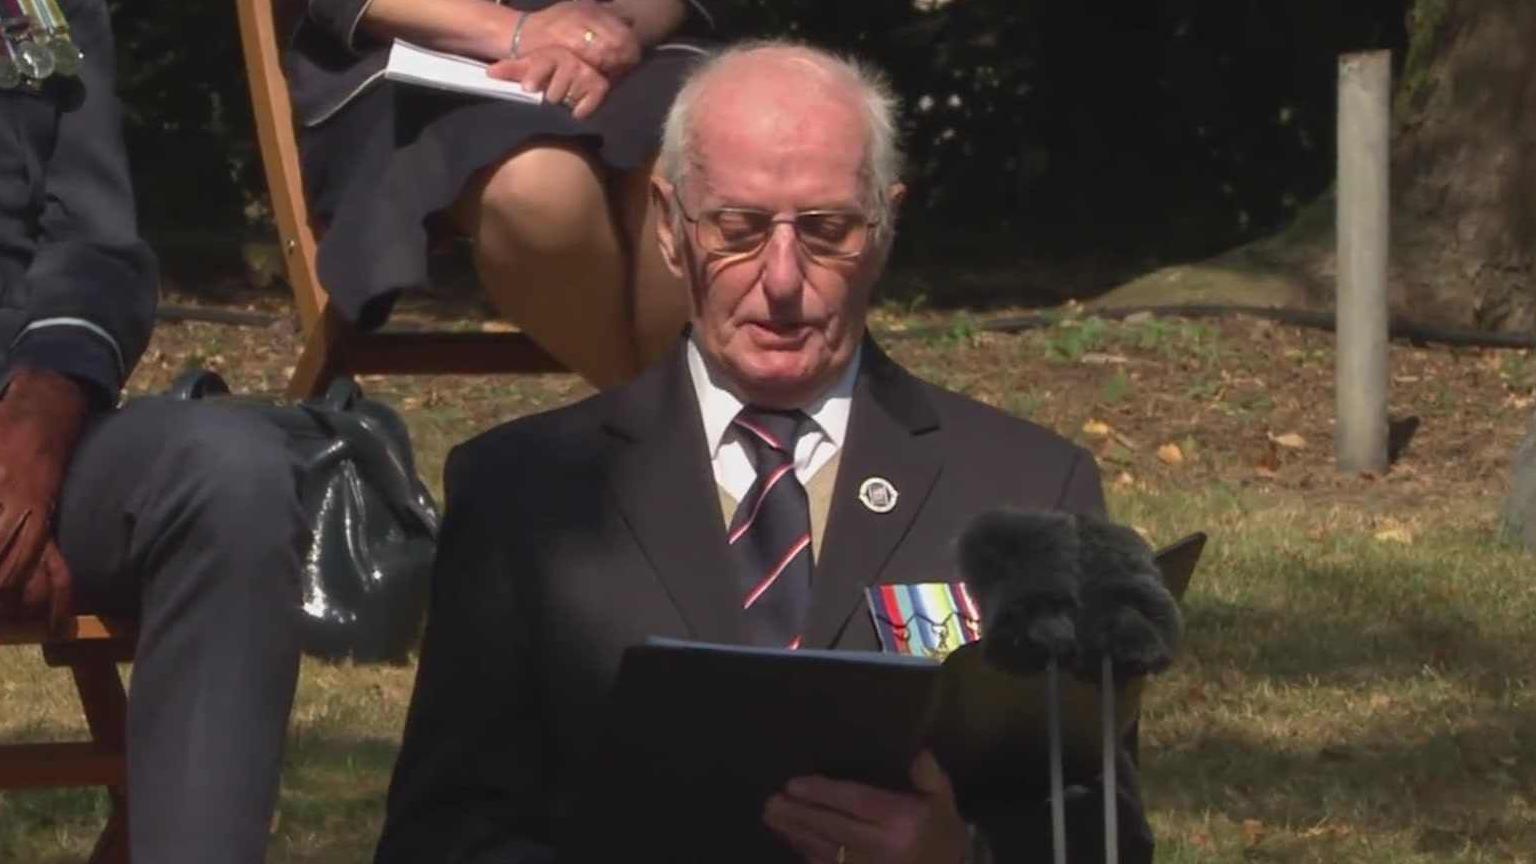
[[776, 331]]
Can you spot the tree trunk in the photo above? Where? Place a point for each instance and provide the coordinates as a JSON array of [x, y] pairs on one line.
[[1463, 179], [1465, 165]]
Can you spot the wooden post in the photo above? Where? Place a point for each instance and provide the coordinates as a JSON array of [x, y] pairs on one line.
[[1360, 379]]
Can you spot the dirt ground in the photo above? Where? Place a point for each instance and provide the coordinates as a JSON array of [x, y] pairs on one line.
[[1161, 401]]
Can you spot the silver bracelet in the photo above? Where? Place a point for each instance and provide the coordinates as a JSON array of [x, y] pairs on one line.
[[517, 35]]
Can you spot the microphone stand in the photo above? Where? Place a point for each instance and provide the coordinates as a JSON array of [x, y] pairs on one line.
[[1058, 795], [1111, 750]]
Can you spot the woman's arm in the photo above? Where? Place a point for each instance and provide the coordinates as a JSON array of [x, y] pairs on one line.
[[474, 28], [486, 30], [652, 20]]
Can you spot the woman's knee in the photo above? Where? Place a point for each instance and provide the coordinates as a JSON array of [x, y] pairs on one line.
[[548, 198]]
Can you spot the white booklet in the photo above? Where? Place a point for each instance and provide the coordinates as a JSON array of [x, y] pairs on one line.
[[413, 64]]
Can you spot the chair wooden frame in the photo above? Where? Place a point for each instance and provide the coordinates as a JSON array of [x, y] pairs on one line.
[[330, 346], [91, 647]]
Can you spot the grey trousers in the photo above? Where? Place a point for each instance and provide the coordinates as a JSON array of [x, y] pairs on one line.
[[186, 515]]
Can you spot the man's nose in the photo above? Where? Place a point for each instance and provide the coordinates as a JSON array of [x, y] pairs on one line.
[[783, 268]]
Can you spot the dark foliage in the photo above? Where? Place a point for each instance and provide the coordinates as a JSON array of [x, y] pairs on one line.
[[1132, 129], [188, 114]]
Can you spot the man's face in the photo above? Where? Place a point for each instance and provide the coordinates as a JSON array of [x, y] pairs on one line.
[[780, 322]]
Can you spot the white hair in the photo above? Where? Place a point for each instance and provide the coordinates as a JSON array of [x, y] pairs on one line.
[[882, 157]]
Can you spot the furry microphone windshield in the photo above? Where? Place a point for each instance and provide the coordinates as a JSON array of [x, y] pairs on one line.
[[1127, 613], [1023, 568], [1074, 588]]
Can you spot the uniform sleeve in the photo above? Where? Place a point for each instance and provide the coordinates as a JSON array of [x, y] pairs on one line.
[[92, 282]]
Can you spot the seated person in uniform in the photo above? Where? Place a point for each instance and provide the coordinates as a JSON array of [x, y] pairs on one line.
[[553, 195], [143, 511], [721, 496]]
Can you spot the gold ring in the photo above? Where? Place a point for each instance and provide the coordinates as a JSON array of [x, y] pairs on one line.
[[588, 37], [842, 854]]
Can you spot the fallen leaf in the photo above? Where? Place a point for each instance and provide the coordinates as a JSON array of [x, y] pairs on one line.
[[1124, 478], [1170, 454], [1096, 429], [1125, 440], [1253, 832], [1265, 471], [1290, 440]]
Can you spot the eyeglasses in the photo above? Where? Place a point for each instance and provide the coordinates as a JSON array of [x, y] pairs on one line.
[[826, 234]]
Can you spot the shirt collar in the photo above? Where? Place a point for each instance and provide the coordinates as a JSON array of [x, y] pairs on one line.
[[719, 404]]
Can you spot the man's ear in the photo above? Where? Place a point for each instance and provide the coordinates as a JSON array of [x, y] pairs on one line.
[[663, 202], [894, 195]]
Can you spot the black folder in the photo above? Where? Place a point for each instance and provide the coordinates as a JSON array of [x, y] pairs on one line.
[[698, 736]]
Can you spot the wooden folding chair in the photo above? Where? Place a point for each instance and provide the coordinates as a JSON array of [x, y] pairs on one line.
[[330, 346], [91, 647]]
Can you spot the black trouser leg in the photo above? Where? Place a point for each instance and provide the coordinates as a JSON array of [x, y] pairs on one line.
[[186, 514]]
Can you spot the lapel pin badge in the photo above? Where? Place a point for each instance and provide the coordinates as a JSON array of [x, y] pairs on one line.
[[877, 494]]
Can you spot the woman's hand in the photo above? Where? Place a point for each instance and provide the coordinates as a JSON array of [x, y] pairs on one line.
[[560, 74], [598, 36]]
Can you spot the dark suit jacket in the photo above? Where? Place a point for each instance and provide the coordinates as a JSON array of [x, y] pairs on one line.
[[574, 534]]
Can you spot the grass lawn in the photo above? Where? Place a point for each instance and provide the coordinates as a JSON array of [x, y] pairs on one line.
[[1356, 682]]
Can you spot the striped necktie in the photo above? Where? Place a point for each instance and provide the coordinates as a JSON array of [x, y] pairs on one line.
[[770, 535]]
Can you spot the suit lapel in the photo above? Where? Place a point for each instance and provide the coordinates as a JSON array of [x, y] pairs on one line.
[[666, 491], [893, 433]]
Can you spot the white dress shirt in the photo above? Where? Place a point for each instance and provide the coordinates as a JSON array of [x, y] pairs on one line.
[[728, 456]]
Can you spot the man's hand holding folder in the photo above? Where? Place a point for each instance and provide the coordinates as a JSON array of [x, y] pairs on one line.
[[837, 821]]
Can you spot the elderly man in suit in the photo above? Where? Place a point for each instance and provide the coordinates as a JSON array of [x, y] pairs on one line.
[[745, 489]]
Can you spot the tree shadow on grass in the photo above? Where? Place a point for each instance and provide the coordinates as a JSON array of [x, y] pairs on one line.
[[1451, 790], [332, 804], [330, 810], [1442, 758], [1358, 614]]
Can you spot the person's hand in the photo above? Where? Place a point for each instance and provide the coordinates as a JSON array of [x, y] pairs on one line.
[[558, 73], [835, 822], [587, 28], [41, 416]]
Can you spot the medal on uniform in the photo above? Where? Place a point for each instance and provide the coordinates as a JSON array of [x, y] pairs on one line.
[[36, 44], [929, 619], [66, 57]]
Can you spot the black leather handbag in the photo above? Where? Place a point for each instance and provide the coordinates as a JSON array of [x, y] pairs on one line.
[[372, 523]]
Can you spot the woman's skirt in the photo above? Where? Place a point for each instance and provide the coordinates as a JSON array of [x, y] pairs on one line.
[[396, 155]]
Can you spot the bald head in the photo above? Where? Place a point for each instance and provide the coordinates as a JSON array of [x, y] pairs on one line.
[[779, 94]]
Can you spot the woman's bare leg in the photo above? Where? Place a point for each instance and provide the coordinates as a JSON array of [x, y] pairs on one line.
[[551, 258], [658, 300]]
